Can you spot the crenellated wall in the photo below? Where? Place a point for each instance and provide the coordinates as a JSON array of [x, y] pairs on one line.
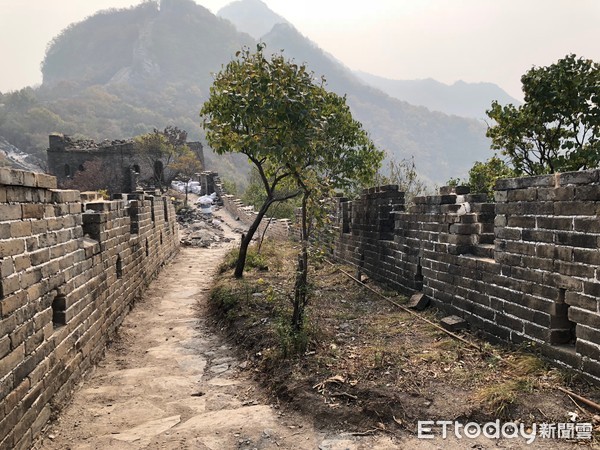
[[121, 166], [523, 269], [71, 267]]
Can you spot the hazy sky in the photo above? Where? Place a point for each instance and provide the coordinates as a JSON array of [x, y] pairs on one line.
[[448, 40]]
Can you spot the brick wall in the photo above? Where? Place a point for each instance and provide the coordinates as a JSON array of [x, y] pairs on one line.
[[71, 267], [276, 228], [522, 269]]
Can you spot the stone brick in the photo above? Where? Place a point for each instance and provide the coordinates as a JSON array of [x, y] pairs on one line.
[[7, 267], [584, 317], [537, 235], [586, 256], [522, 195], [574, 270], [575, 209], [11, 212], [591, 367], [576, 240], [41, 420], [40, 257], [11, 177], [579, 177], [20, 229], [582, 301], [39, 226], [521, 248], [556, 194], [7, 324], [418, 302], [508, 233], [22, 262], [563, 282], [555, 223], [512, 323], [587, 333], [11, 247], [5, 230], [509, 259], [4, 350], [65, 196], [453, 323], [525, 182], [591, 288], [18, 194], [591, 193], [459, 228], [587, 225], [12, 360], [33, 211], [521, 222], [45, 181], [33, 341], [8, 286], [589, 349]]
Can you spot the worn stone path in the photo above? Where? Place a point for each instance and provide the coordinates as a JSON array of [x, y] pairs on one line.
[[168, 382]]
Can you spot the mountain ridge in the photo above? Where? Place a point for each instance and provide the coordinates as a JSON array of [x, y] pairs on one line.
[[463, 99], [124, 72], [251, 16], [460, 98]]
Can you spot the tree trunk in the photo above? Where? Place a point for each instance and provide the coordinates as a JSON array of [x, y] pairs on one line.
[[262, 236], [246, 239], [300, 294], [301, 285]]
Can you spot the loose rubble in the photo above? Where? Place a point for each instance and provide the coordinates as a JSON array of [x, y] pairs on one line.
[[197, 229]]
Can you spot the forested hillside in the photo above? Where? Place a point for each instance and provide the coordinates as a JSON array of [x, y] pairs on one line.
[[121, 73]]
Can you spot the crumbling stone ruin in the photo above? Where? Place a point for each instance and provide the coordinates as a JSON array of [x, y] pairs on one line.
[[122, 166], [524, 269], [71, 267]]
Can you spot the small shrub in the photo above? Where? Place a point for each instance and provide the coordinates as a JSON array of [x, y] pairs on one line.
[[254, 260], [224, 298], [291, 342]]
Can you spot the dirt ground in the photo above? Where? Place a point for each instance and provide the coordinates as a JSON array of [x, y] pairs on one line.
[[170, 381]]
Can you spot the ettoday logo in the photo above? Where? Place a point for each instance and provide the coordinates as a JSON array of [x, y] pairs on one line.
[[427, 429]]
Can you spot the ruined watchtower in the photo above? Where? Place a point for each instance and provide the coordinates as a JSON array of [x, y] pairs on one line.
[[120, 166]]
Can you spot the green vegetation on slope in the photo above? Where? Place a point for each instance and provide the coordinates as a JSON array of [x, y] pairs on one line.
[[121, 73]]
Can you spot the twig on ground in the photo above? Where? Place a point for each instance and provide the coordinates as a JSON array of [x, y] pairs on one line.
[[580, 398], [365, 433], [344, 394], [577, 405]]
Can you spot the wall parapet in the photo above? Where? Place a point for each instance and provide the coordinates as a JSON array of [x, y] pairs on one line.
[[71, 266], [523, 269]]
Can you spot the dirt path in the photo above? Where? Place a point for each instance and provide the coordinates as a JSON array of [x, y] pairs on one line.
[[168, 382]]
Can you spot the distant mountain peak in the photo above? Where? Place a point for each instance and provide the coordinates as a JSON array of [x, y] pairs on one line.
[[251, 16], [460, 98]]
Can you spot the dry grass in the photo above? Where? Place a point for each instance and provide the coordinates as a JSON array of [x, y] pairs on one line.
[[384, 362]]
